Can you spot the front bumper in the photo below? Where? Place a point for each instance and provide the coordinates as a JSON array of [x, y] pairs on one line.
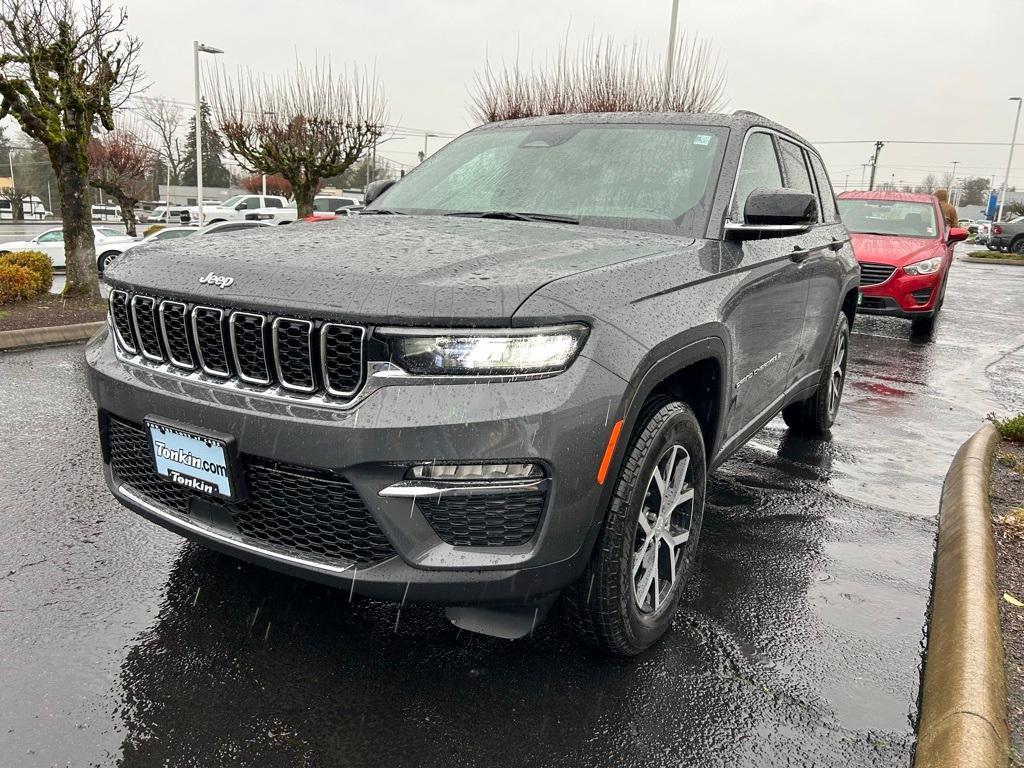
[[561, 422], [902, 295]]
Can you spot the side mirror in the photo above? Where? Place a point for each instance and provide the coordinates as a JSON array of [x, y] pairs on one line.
[[375, 189], [779, 208], [957, 234]]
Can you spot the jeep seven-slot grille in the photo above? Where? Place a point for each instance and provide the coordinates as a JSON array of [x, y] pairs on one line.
[[260, 350], [298, 510], [873, 274]]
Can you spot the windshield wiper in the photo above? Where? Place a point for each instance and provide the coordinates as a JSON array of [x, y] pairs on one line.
[[513, 216], [380, 212]]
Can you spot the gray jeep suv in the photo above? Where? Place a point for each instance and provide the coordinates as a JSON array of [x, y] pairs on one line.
[[504, 382]]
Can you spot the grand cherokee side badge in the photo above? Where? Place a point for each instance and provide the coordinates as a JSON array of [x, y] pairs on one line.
[[219, 280]]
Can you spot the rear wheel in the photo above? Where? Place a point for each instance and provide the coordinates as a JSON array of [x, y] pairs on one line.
[[627, 596], [105, 260], [816, 414], [1017, 246]]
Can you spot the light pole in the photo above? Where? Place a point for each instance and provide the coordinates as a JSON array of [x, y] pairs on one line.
[[671, 56], [425, 137], [198, 48], [952, 182], [1013, 143]]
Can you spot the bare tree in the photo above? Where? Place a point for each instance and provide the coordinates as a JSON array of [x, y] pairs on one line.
[[167, 120], [119, 164], [305, 126], [64, 66], [947, 182], [603, 76], [275, 185], [928, 184]]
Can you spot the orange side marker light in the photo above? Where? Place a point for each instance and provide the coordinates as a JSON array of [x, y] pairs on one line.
[[609, 451]]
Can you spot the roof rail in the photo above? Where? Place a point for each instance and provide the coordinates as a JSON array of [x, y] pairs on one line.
[[748, 113]]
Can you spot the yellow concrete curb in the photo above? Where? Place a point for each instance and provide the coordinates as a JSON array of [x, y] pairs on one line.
[[963, 698], [37, 337]]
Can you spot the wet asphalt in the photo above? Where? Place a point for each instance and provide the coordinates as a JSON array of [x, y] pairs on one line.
[[799, 641]]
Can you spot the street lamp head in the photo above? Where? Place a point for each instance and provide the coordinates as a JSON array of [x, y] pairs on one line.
[[1015, 98], [208, 49]]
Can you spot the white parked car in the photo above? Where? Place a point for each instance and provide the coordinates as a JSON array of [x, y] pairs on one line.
[[271, 208], [109, 242]]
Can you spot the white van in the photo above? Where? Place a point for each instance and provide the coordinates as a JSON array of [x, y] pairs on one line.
[[106, 213], [33, 209]]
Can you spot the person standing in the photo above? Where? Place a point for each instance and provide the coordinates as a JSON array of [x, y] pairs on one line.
[[948, 211]]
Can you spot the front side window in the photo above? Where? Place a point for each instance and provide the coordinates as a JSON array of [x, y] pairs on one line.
[[889, 217], [759, 168], [56, 236], [652, 177]]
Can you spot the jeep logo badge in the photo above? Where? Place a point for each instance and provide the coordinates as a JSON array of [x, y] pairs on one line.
[[218, 280]]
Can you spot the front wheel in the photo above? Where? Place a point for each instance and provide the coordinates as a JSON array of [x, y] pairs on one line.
[[817, 414], [627, 596]]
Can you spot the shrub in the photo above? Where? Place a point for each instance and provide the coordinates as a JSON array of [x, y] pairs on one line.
[[152, 229], [37, 263], [1012, 428], [17, 283]]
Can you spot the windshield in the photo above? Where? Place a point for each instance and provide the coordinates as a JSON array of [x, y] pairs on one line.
[[889, 217], [231, 201], [655, 177]]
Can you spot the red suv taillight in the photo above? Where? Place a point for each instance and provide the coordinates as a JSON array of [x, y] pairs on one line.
[[996, 229]]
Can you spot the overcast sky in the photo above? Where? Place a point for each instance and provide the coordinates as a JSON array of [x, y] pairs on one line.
[[832, 70]]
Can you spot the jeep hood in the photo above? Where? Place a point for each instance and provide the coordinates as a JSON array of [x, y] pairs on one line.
[[383, 268]]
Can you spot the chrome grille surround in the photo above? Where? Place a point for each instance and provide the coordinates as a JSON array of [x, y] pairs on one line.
[[242, 350]]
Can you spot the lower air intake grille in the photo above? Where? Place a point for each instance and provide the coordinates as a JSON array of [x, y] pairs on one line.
[[873, 274], [505, 520], [922, 296], [302, 511]]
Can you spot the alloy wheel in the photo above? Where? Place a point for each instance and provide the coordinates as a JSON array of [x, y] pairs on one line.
[[835, 388], [663, 528], [107, 261]]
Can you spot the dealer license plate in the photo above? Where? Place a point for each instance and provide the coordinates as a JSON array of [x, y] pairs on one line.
[[193, 461]]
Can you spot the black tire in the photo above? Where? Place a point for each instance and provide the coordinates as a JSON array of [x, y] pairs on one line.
[[602, 606], [923, 326], [1017, 246], [105, 260], [816, 415]]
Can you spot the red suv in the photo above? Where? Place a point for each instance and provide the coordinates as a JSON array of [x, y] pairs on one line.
[[905, 251]]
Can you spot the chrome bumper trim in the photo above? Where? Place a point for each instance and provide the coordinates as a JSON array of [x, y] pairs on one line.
[[224, 538], [414, 489]]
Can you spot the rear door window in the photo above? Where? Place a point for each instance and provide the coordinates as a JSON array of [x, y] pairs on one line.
[[759, 168]]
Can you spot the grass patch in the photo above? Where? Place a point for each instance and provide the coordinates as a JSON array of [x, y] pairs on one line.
[[1012, 428], [995, 255]]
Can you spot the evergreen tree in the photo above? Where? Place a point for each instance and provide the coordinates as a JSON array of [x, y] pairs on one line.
[[214, 172]]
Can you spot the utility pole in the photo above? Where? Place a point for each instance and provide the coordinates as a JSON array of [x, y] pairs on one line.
[[874, 163], [952, 183], [1013, 143], [671, 57]]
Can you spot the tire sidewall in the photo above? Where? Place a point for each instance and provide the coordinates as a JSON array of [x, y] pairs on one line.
[[826, 416], [680, 427]]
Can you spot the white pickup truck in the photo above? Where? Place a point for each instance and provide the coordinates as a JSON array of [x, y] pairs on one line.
[[271, 208]]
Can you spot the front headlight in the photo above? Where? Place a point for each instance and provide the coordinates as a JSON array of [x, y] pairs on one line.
[[485, 352], [926, 267]]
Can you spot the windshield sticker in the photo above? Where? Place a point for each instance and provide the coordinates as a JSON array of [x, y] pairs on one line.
[[702, 140]]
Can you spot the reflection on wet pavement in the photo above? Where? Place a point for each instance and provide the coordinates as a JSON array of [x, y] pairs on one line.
[[799, 641]]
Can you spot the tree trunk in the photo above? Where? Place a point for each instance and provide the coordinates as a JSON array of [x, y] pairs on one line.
[[304, 193], [128, 213], [71, 166]]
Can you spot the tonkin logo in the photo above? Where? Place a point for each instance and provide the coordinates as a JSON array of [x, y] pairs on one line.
[[218, 280]]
